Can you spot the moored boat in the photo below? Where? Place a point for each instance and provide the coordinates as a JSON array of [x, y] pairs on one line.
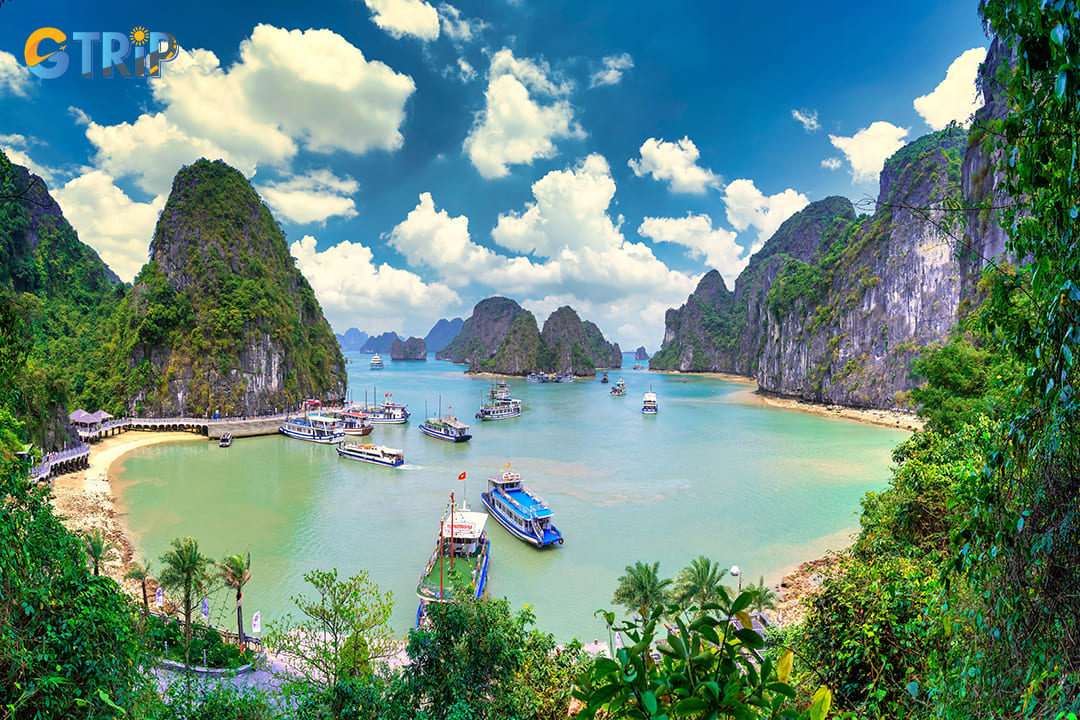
[[352, 422], [603, 378], [460, 558], [525, 515], [618, 388], [376, 362], [567, 378], [387, 412], [313, 428], [377, 454], [638, 366], [500, 405], [225, 440], [648, 403]]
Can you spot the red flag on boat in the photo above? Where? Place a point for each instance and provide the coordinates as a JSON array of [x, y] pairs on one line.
[[386, 395], [461, 476]]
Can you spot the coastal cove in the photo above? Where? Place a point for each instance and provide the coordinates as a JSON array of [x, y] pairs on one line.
[[711, 474]]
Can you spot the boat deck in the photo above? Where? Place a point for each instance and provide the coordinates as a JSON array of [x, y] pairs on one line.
[[532, 506], [465, 571]]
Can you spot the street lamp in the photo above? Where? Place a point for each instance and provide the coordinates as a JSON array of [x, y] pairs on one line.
[[735, 573]]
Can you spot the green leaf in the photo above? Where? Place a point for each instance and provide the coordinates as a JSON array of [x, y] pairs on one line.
[[750, 639], [744, 619], [1062, 84], [822, 702], [648, 700], [913, 689], [689, 706]]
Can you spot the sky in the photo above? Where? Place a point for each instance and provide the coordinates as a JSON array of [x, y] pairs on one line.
[[421, 156]]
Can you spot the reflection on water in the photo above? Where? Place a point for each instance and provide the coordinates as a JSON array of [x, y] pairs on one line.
[[741, 483]]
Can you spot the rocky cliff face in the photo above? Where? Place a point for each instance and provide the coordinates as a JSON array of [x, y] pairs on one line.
[[442, 333], [412, 349], [604, 354], [380, 343], [833, 308], [483, 332], [220, 320], [352, 341], [640, 354]]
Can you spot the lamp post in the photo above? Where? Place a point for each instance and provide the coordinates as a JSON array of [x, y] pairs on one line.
[[735, 573]]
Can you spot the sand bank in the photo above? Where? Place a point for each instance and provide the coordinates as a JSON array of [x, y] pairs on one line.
[[83, 500], [896, 419]]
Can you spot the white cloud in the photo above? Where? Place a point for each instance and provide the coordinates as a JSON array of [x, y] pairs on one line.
[[831, 163], [612, 72], [355, 292], [457, 28], [868, 149], [749, 207], [808, 119], [676, 164], [956, 97], [273, 100], [696, 232], [313, 197], [109, 221], [513, 128], [16, 147], [465, 71], [405, 17], [433, 238], [14, 78]]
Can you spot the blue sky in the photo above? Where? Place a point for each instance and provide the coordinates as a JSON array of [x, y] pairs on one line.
[[421, 156]]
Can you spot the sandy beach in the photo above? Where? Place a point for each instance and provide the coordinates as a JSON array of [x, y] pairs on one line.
[[885, 418], [83, 499]]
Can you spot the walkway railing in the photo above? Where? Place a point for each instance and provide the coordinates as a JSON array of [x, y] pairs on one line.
[[60, 457]]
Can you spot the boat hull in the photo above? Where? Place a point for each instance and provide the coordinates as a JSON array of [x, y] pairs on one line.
[[550, 538], [443, 436]]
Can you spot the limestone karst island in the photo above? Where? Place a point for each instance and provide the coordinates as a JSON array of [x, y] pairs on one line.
[[390, 359]]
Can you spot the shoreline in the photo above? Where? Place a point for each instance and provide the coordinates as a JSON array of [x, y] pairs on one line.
[[84, 500]]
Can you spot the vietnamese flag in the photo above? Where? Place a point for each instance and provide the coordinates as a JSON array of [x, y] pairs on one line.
[[461, 476]]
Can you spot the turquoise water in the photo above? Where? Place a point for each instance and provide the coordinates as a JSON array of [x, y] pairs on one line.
[[712, 473]]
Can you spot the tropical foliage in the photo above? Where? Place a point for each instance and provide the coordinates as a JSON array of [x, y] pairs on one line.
[[641, 588], [186, 570]]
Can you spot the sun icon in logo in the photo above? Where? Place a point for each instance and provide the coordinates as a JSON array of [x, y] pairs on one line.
[[139, 36]]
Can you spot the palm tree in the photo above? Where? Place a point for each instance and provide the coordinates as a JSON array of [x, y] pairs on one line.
[[186, 570], [641, 589], [762, 596], [699, 583], [235, 571], [140, 570], [98, 549]]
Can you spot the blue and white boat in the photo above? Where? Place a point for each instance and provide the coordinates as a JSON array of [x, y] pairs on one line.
[[500, 405], [460, 558], [376, 362], [619, 388], [447, 428], [377, 454], [648, 403], [313, 428], [386, 413], [525, 515]]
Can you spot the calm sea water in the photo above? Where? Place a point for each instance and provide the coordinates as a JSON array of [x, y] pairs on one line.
[[710, 474]]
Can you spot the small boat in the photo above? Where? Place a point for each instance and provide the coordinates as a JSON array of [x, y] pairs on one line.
[[446, 428], [386, 413], [460, 557], [376, 362], [648, 403], [500, 405], [525, 515], [637, 366], [618, 388], [603, 378], [378, 454], [535, 377], [226, 439], [313, 428], [567, 378]]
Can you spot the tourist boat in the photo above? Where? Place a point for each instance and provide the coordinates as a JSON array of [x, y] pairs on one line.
[[353, 422], [637, 366], [603, 378], [226, 439], [313, 428], [386, 413], [460, 558], [376, 362], [500, 405], [517, 509], [535, 377], [618, 388], [567, 378], [648, 403], [446, 428], [377, 454]]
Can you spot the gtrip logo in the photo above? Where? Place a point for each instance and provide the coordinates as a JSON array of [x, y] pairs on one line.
[[46, 57]]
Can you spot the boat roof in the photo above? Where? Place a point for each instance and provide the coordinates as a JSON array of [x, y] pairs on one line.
[[505, 476], [467, 524], [650, 396], [322, 418], [451, 421]]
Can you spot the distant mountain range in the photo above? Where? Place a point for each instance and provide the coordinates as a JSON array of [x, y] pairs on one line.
[[437, 338]]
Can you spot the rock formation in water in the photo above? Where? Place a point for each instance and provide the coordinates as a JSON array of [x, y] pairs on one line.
[[412, 349], [640, 354], [352, 341], [221, 320], [380, 343], [442, 333], [502, 337]]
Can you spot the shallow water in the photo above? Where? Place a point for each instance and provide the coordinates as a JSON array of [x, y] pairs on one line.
[[709, 474]]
